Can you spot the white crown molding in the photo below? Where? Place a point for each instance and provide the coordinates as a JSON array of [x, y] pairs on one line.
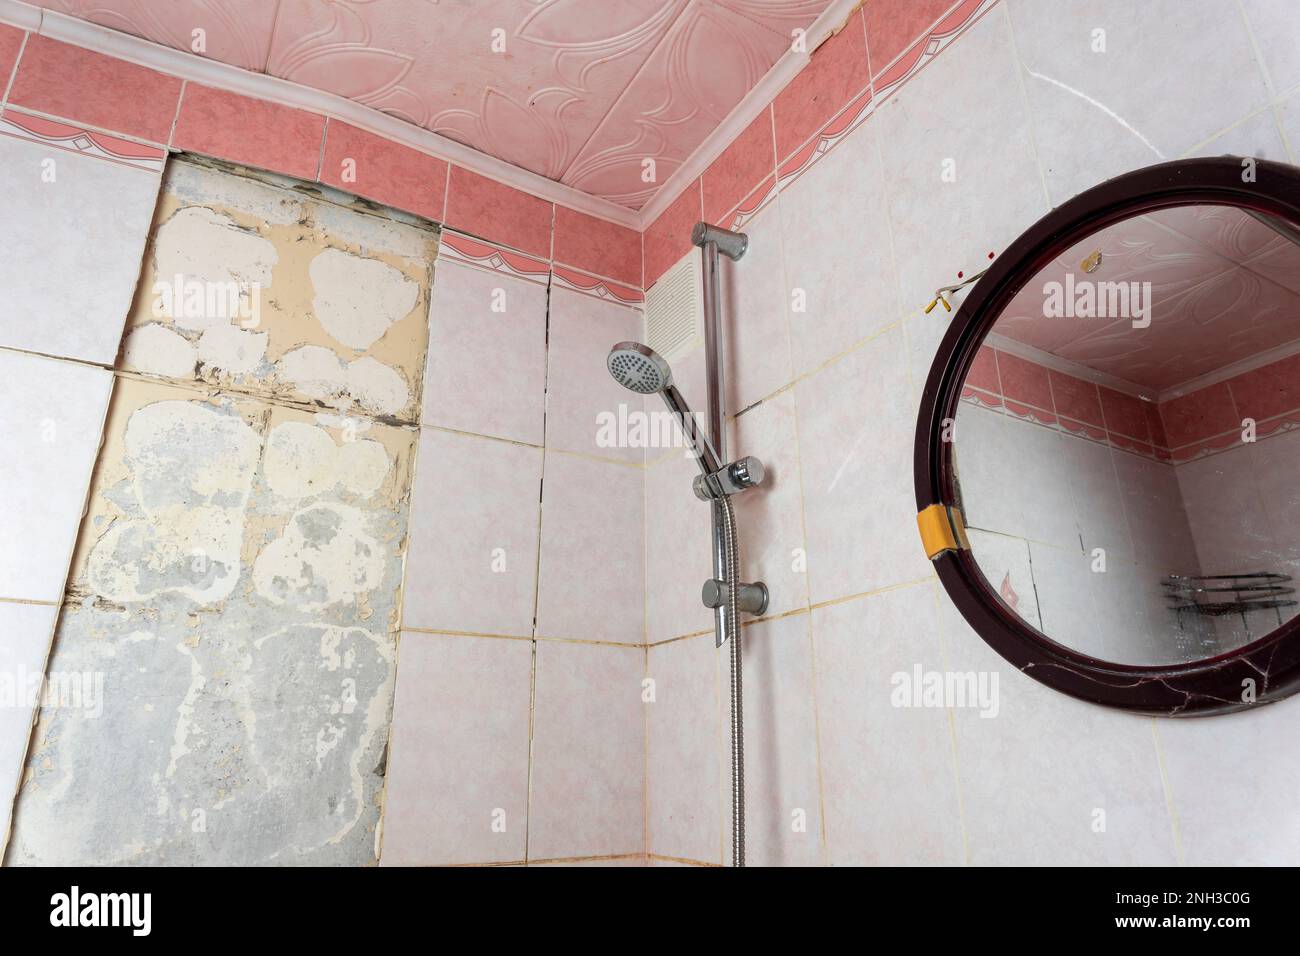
[[187, 66], [1240, 367], [21, 14], [832, 19], [1039, 357]]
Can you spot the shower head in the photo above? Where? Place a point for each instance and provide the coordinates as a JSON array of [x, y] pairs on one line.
[[639, 368]]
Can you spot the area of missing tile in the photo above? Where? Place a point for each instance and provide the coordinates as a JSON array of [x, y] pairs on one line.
[[236, 582]]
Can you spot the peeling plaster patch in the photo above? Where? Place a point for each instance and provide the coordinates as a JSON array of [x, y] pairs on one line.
[[351, 283], [358, 299], [191, 468], [324, 558], [321, 375], [227, 349], [241, 730], [203, 246], [198, 184], [158, 350], [303, 460]]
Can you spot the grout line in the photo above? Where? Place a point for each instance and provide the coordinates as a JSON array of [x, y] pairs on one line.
[[31, 601], [320, 155], [1018, 67], [1174, 824], [680, 859], [176, 116], [952, 731]]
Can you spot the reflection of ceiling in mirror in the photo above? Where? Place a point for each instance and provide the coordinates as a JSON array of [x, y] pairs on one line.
[[1224, 288]]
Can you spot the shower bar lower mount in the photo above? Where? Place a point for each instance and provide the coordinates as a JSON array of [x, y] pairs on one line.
[[640, 369]]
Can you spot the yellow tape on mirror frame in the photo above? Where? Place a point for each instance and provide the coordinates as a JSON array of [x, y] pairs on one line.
[[942, 529]]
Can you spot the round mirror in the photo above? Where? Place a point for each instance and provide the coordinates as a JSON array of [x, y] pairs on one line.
[[1111, 434]]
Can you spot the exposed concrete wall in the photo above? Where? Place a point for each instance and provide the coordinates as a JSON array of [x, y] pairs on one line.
[[237, 578]]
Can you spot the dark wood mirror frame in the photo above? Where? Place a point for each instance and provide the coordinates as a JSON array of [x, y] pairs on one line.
[[1270, 665]]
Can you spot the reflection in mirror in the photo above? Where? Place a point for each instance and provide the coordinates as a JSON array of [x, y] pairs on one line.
[[1127, 447]]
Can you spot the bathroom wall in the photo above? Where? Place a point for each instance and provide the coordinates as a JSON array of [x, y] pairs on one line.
[[546, 759], [922, 138]]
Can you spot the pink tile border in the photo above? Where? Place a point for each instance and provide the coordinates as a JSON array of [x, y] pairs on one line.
[[592, 285], [73, 139], [85, 86], [249, 131], [386, 172], [459, 247]]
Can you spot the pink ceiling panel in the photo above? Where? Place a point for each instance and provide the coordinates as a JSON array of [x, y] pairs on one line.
[[1215, 300], [580, 91], [233, 31], [709, 60], [525, 82]]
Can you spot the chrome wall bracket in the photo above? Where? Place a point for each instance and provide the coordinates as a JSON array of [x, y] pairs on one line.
[[752, 598]]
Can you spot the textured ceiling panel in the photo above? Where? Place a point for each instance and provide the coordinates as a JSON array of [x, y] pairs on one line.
[[1224, 288], [580, 91]]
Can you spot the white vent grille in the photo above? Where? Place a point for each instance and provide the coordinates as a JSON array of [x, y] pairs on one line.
[[673, 307]]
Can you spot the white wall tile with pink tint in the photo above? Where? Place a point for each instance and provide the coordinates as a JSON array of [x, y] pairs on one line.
[[25, 633], [755, 331], [1244, 767], [888, 776], [1049, 778], [960, 170], [471, 564], [855, 448], [783, 820], [53, 413], [457, 781], [678, 552], [591, 582], [75, 230], [486, 371], [839, 261], [683, 751], [588, 764], [774, 549], [580, 394], [1116, 85]]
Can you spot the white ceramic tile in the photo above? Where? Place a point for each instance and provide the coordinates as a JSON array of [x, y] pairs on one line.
[[1276, 30], [1090, 469], [587, 795], [457, 778], [486, 371], [51, 419], [682, 755], [839, 268], [74, 247], [1225, 511], [591, 581], [1047, 778], [25, 631], [678, 550], [1259, 136], [770, 517], [1006, 565], [600, 861], [855, 444], [1289, 118], [782, 792], [1173, 74], [1066, 603], [887, 771], [1278, 462], [756, 340], [1232, 781], [579, 389], [1153, 503], [471, 562], [959, 166]]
